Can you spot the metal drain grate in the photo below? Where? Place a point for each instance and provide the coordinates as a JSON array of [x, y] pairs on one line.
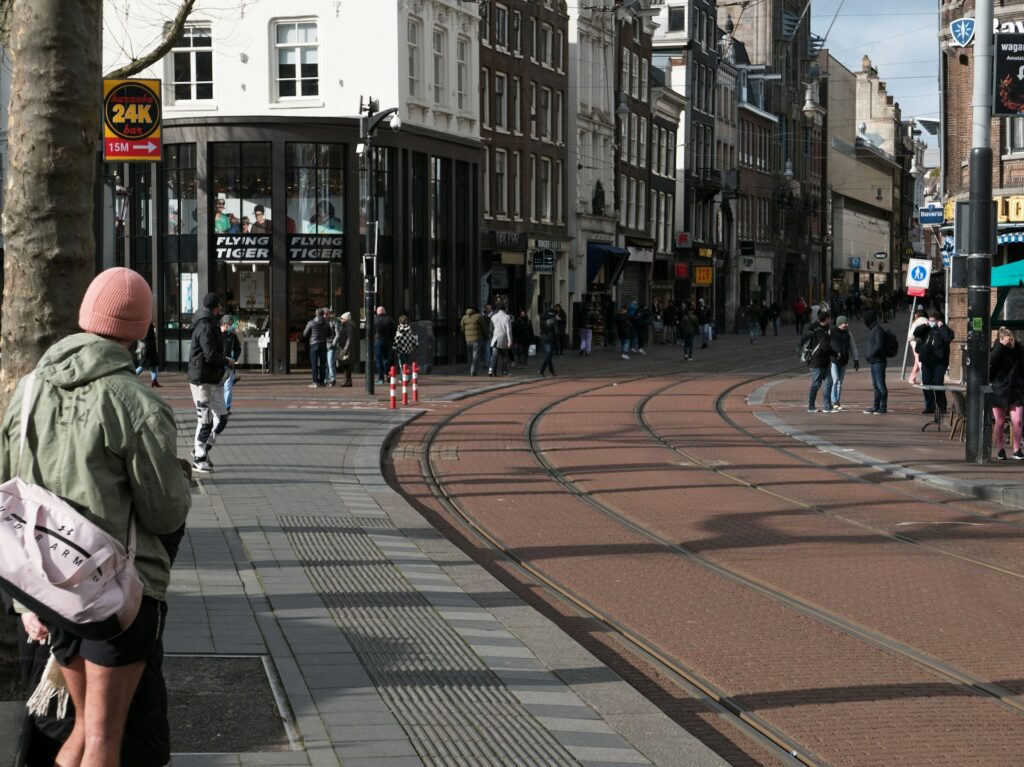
[[451, 705]]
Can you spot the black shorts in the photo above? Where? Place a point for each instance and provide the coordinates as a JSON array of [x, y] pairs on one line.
[[136, 643]]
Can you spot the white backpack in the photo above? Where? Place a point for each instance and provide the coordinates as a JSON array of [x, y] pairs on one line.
[[61, 565]]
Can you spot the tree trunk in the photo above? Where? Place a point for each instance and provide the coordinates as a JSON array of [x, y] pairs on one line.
[[49, 258]]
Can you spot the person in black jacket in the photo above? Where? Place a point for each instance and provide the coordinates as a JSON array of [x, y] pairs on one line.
[[820, 363], [933, 340], [548, 337], [383, 337], [206, 366], [875, 356], [148, 357], [844, 348], [1006, 372], [318, 330]]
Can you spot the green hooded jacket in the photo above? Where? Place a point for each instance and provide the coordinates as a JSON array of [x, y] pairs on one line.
[[105, 444]]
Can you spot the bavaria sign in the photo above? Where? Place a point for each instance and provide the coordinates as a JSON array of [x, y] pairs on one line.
[[131, 120]]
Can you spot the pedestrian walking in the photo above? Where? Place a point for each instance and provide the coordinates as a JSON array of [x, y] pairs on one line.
[[501, 341], [232, 351], [763, 318], [383, 334], [587, 319], [346, 347], [1006, 372], [799, 313], [704, 320], [753, 320], [844, 349], [562, 322], [488, 327], [206, 367], [920, 318], [642, 325], [549, 339], [522, 339], [405, 343], [876, 357], [147, 357], [332, 346], [670, 320], [933, 341], [624, 328], [115, 461], [775, 313], [473, 331], [687, 329], [818, 342], [318, 331]]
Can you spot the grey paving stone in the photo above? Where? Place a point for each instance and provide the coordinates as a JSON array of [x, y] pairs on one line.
[[374, 748]]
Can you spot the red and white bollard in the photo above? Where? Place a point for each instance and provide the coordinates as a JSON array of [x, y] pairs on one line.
[[405, 384], [393, 403], [415, 382]]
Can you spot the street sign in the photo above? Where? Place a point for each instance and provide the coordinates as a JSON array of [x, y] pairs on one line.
[[703, 275], [1009, 69], [855, 262], [931, 215], [918, 274], [131, 121], [543, 261], [962, 31]]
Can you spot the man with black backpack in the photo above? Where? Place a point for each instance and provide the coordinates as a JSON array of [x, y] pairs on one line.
[[816, 351], [933, 341], [878, 348]]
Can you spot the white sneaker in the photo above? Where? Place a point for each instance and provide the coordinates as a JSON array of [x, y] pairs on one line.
[[202, 467], [641, 351], [625, 356]]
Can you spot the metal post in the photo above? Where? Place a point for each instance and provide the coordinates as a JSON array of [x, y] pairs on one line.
[[979, 258], [369, 276]]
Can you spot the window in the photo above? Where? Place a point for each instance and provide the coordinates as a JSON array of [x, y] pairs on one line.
[[439, 66], [1014, 129], [643, 142], [515, 107], [631, 203], [624, 78], [315, 175], [501, 25], [643, 80], [500, 182], [240, 184], [634, 84], [461, 71], [517, 191], [544, 190], [641, 206], [677, 19], [634, 138], [544, 51], [544, 113], [556, 51], [623, 139], [556, 121], [192, 63], [533, 110], [517, 32], [533, 39], [485, 23], [297, 68], [413, 36], [500, 107], [485, 97], [622, 200], [487, 181], [533, 187], [556, 194]]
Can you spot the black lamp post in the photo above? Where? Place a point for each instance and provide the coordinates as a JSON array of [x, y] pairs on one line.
[[369, 119]]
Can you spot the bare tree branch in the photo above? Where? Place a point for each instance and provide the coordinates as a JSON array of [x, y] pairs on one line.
[[6, 12], [135, 66]]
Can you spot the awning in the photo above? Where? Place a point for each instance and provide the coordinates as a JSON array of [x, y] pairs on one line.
[[1003, 239], [597, 253], [1009, 275]]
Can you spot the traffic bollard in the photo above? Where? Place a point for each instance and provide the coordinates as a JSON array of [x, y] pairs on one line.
[[405, 384], [393, 403], [415, 382]]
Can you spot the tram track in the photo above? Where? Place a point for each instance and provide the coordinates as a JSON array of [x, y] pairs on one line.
[[719, 700]]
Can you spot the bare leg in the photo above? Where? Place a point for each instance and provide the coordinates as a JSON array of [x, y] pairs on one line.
[[999, 414], [1017, 426], [99, 724]]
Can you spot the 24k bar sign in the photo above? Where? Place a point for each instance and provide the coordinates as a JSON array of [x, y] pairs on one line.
[[242, 247]]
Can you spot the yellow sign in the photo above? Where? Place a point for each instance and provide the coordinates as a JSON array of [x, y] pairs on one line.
[[949, 211], [131, 120], [703, 275], [1010, 209], [705, 252]]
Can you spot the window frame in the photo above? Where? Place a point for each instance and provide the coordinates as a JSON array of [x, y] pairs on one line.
[[485, 97], [439, 59], [297, 48], [501, 29], [500, 116], [462, 80], [192, 51], [414, 49], [501, 182]]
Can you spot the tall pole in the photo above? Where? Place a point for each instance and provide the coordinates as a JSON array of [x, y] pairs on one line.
[[979, 247]]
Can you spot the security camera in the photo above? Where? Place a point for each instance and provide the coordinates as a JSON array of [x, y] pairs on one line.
[[360, 148], [396, 122]]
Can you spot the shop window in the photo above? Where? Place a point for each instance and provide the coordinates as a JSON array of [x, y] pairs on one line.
[[413, 43], [1014, 131], [191, 64], [179, 296], [297, 48]]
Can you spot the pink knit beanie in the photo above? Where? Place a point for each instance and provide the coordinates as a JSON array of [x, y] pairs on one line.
[[118, 304]]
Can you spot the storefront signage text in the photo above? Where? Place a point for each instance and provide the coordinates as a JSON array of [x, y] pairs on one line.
[[704, 275], [543, 261], [1010, 209], [316, 247], [682, 271], [706, 252], [131, 120], [1009, 68], [242, 247]]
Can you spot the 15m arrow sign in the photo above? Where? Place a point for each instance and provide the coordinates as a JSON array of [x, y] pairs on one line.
[[131, 120]]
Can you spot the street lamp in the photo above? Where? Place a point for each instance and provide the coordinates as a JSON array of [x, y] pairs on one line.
[[369, 119]]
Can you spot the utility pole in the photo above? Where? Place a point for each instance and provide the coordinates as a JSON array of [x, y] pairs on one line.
[[979, 246]]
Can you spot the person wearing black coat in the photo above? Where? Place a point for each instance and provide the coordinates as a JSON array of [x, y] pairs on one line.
[[318, 330], [549, 338], [933, 340], [819, 340], [206, 366], [875, 356], [1006, 372], [148, 357]]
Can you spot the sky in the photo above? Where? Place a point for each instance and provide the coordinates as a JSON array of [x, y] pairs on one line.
[[901, 39]]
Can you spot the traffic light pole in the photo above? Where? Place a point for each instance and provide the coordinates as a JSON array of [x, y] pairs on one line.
[[978, 446]]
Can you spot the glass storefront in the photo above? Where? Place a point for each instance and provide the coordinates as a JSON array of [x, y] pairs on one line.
[[179, 296]]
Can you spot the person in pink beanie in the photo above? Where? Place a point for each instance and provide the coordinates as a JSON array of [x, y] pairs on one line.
[[107, 445]]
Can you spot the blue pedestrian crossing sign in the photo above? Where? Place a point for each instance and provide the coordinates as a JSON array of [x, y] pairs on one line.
[[919, 270], [919, 274]]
